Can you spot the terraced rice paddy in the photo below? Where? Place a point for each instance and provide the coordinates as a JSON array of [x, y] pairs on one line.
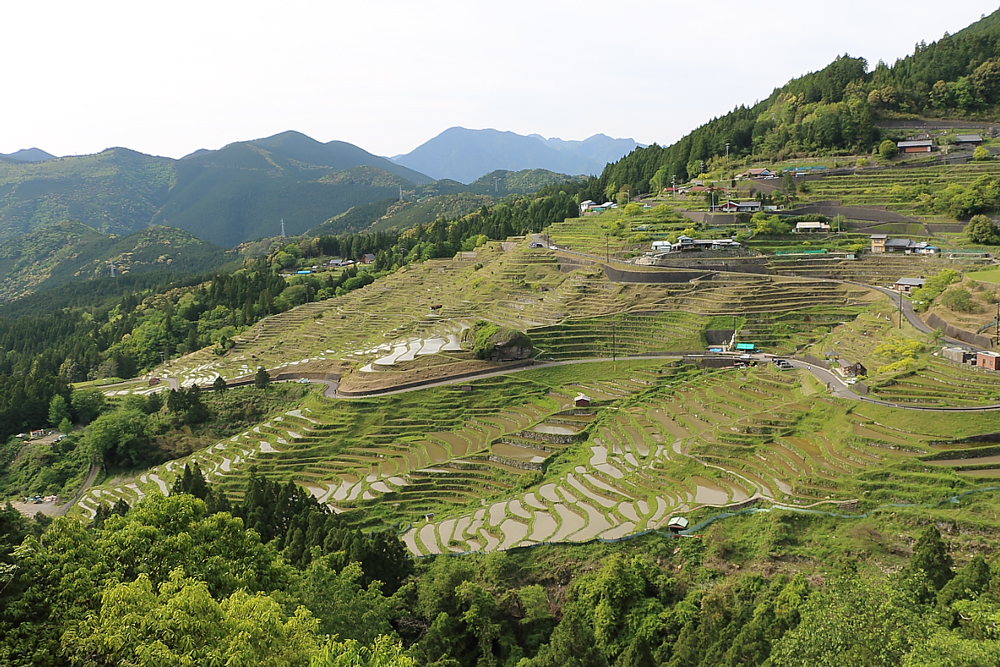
[[892, 188]]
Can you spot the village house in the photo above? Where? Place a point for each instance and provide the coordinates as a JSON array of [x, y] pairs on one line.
[[882, 243], [988, 360], [739, 207], [850, 370], [908, 284], [368, 258], [582, 401]]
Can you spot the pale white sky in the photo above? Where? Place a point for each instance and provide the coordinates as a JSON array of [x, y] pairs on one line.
[[168, 78]]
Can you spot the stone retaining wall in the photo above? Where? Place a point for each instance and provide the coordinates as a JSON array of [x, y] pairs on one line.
[[984, 342]]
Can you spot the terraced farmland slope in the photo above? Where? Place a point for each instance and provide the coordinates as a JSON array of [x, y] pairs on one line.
[[513, 463], [526, 289]]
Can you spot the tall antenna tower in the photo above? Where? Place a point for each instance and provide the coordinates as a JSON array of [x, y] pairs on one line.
[[282, 228], [400, 193], [112, 269]]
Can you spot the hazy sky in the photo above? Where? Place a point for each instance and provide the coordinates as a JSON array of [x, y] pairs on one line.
[[169, 78]]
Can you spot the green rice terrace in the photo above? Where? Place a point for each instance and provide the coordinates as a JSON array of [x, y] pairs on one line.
[[899, 189], [511, 461]]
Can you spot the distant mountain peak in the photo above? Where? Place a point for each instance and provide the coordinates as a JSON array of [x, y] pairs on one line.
[[464, 155], [29, 155]]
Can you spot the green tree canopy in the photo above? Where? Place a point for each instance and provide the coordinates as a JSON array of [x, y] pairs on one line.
[[981, 230], [887, 150]]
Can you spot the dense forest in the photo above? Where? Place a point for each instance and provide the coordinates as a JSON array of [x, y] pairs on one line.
[[279, 580], [833, 111]]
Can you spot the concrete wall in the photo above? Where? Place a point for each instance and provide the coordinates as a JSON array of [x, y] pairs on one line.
[[936, 322]]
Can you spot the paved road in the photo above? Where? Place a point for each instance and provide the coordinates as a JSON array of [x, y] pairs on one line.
[[842, 390]]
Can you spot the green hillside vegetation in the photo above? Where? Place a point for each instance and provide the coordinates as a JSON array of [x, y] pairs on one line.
[[117, 191], [71, 251], [517, 182], [833, 111], [404, 215]]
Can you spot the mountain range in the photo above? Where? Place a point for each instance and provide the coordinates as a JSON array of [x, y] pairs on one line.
[[246, 189], [463, 155]]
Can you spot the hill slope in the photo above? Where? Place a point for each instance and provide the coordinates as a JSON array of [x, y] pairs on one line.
[[71, 251], [835, 111]]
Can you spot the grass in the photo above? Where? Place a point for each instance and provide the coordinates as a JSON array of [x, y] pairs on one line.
[[986, 276]]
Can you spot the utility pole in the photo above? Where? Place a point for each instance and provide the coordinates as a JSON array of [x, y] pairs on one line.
[[673, 186], [900, 309], [614, 343], [607, 249]]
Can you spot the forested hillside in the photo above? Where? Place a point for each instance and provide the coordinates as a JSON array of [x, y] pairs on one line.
[[234, 194], [71, 251], [833, 111]]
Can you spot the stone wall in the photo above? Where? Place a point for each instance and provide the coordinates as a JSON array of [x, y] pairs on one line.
[[935, 322]]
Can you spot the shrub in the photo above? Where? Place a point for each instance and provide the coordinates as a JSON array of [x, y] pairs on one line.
[[981, 230], [959, 300], [887, 149]]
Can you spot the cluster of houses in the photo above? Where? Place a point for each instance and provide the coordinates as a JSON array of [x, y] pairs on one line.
[[686, 243], [981, 359], [761, 173], [881, 243], [591, 206]]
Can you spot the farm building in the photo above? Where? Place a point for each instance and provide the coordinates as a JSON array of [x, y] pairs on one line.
[[582, 401], [987, 360], [368, 258], [812, 227], [907, 284], [677, 524], [958, 355], [925, 146], [971, 140]]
